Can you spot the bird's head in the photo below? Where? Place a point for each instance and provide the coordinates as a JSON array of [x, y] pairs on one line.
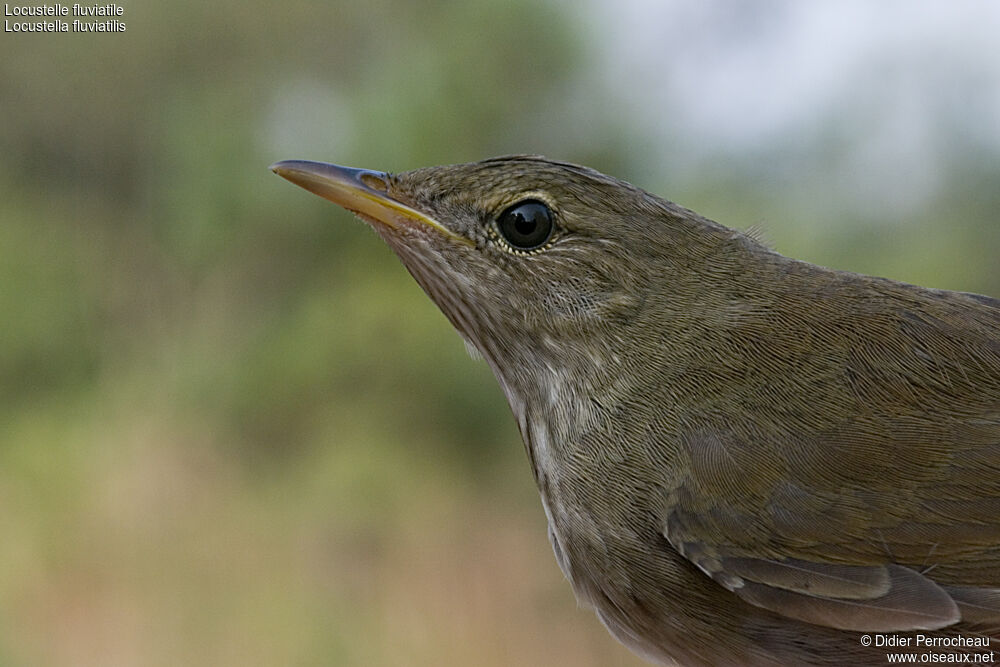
[[523, 255]]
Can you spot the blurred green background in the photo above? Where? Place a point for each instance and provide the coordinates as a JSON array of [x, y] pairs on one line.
[[233, 431]]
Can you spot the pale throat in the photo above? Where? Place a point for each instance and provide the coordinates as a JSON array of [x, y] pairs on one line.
[[552, 405]]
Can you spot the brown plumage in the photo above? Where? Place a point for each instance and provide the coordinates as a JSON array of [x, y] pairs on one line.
[[744, 459]]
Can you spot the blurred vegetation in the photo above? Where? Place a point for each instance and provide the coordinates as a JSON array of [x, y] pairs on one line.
[[232, 429]]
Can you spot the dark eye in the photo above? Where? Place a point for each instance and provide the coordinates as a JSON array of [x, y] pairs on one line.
[[526, 225]]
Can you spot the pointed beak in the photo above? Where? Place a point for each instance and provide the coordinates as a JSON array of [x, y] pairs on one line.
[[361, 191]]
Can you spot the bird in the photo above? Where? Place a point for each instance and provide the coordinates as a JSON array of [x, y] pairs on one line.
[[743, 458]]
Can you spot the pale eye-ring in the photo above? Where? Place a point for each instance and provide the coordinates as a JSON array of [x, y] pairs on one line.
[[526, 225]]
